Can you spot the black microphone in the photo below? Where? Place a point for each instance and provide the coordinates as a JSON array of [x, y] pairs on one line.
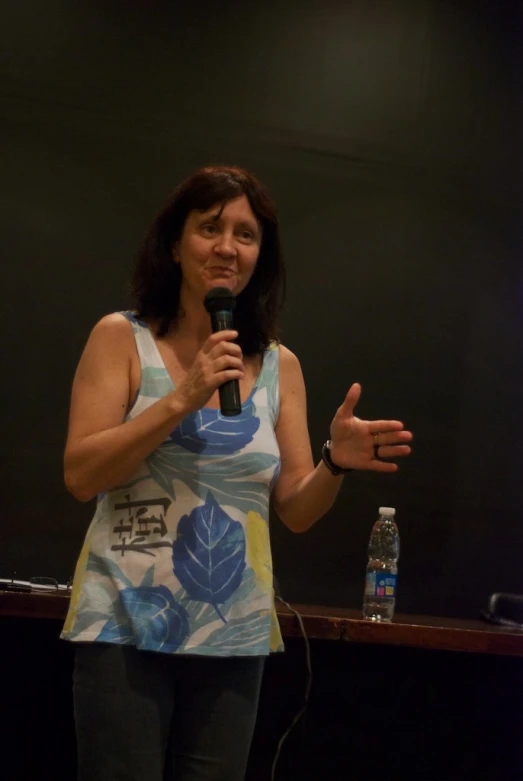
[[220, 304]]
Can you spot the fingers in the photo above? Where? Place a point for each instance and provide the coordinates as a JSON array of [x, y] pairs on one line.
[[218, 361], [226, 348], [386, 445], [383, 466], [351, 399], [226, 375], [381, 426], [228, 362], [226, 358], [390, 445], [225, 355], [221, 338], [384, 437], [393, 451]]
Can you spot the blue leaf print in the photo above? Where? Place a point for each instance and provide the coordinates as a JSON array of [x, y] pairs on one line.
[[202, 614], [209, 554], [84, 620], [104, 566], [271, 379], [148, 578], [246, 633], [97, 595], [154, 620], [155, 382], [207, 432], [162, 467], [115, 632], [225, 479], [96, 604]]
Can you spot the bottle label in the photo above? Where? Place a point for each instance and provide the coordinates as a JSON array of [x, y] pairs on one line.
[[378, 585]]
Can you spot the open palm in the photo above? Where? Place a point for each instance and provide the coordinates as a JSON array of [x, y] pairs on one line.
[[361, 444]]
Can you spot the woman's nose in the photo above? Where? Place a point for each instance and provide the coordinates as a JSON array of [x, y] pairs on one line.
[[225, 246]]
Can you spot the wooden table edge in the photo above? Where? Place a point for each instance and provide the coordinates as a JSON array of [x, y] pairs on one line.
[[329, 623]]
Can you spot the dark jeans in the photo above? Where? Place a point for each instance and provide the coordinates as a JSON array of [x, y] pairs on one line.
[[143, 716]]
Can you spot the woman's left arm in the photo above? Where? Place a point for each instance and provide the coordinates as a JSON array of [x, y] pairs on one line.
[[304, 493]]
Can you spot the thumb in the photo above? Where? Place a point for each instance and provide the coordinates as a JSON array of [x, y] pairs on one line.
[[351, 399]]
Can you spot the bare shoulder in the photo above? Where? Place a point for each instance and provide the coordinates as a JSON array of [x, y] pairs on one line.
[[112, 327], [291, 375], [288, 359], [101, 385], [110, 342]]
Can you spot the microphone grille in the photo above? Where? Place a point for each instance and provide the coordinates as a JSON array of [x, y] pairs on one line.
[[219, 299]]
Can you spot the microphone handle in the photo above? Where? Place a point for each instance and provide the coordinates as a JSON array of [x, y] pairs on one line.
[[230, 402]]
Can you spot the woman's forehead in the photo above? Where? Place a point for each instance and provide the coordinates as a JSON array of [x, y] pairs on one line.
[[236, 208]]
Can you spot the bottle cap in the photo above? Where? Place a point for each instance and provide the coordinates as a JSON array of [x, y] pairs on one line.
[[387, 511]]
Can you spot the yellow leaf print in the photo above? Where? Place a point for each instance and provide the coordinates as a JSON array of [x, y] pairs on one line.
[[259, 550], [259, 553], [77, 586]]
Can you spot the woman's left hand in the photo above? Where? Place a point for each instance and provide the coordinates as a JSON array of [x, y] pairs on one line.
[[362, 444]]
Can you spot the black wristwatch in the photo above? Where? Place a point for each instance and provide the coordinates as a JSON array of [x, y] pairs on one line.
[[329, 463]]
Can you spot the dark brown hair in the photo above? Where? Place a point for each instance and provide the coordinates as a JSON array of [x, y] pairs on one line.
[[157, 279]]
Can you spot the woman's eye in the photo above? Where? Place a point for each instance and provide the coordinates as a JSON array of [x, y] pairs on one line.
[[246, 236], [209, 229]]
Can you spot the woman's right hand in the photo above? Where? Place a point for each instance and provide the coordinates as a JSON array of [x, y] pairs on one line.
[[218, 361], [104, 449]]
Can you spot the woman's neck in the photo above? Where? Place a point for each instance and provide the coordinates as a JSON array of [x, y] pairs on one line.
[[193, 325]]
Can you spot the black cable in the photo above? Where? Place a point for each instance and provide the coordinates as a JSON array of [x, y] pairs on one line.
[[308, 682]]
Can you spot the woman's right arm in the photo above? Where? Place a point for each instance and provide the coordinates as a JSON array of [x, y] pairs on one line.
[[102, 450]]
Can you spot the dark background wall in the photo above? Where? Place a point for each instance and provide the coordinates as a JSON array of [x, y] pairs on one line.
[[389, 133]]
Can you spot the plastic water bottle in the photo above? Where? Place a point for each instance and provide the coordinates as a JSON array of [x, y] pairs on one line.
[[382, 569]]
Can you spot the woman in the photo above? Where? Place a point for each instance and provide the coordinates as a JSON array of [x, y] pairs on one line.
[[172, 605]]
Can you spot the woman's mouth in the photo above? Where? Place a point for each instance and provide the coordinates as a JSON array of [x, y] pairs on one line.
[[223, 271]]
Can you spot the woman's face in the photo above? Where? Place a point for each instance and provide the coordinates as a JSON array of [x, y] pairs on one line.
[[219, 248]]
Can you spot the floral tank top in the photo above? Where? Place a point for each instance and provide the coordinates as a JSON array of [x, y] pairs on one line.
[[178, 559]]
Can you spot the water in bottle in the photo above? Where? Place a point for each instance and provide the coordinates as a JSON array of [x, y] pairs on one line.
[[382, 569]]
